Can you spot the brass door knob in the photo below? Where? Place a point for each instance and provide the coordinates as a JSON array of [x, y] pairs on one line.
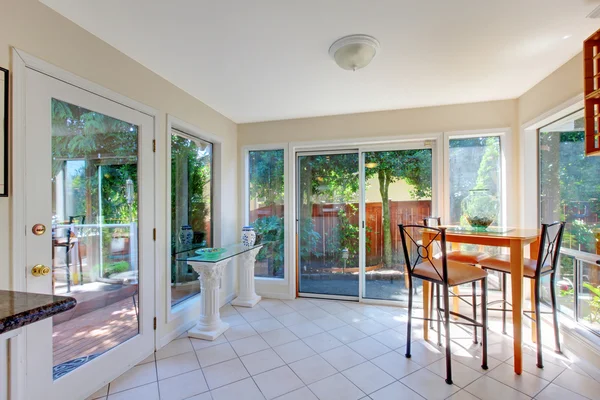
[[40, 270]]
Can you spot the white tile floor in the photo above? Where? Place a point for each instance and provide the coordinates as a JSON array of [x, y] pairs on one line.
[[323, 349]]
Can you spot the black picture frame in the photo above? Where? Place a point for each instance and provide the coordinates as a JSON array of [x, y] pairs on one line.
[[4, 117]]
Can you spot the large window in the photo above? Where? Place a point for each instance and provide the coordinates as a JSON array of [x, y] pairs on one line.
[[475, 169], [476, 173], [266, 209], [570, 191], [191, 208]]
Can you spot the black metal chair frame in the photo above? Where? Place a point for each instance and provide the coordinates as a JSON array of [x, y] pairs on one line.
[[549, 247], [68, 245], [443, 314], [435, 288]]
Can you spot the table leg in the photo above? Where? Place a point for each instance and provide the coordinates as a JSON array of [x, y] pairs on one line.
[[426, 297], [516, 280], [209, 326], [247, 296], [455, 289], [534, 248]]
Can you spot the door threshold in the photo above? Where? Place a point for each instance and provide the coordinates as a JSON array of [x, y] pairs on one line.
[[328, 297]]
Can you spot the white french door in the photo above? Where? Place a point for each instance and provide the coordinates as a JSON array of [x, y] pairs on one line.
[[348, 207], [90, 182]]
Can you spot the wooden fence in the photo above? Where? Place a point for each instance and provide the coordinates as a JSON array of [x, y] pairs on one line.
[[325, 218]]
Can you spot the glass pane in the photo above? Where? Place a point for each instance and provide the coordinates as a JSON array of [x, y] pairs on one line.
[[570, 184], [266, 206], [94, 233], [398, 190], [191, 209], [589, 295], [328, 224], [570, 192], [476, 172]]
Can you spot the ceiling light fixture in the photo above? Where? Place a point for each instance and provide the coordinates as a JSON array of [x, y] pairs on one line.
[[354, 52]]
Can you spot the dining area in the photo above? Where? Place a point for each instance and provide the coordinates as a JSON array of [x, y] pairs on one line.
[[434, 255]]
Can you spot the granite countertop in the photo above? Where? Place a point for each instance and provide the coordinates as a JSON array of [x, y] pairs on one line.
[[18, 309]]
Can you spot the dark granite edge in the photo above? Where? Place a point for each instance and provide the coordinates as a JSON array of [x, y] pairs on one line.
[[37, 314]]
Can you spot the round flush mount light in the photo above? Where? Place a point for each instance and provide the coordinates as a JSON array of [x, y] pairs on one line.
[[354, 52]]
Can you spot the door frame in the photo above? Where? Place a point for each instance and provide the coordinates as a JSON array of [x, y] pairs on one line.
[[21, 61], [397, 142]]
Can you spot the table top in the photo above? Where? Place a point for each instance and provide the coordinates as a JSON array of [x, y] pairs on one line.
[[495, 232], [230, 251], [18, 309], [186, 248]]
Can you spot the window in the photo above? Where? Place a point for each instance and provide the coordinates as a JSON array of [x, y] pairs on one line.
[[474, 167], [569, 190], [266, 209], [476, 173], [191, 208]]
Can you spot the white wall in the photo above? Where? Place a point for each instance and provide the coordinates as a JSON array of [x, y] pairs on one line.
[[30, 26]]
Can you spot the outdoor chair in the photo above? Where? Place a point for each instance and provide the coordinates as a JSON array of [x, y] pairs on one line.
[[69, 242], [546, 264], [423, 264]]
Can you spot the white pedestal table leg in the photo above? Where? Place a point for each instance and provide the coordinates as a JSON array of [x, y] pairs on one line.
[[210, 326], [247, 296]]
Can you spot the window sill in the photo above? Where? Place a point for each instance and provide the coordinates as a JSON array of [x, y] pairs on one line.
[[580, 341]]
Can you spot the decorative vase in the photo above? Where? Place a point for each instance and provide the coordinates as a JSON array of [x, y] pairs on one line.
[[480, 209], [186, 234], [248, 236]]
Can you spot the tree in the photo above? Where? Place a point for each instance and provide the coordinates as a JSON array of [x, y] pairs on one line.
[[412, 166]]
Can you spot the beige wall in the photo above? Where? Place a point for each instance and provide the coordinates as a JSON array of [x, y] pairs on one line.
[[488, 115], [32, 27], [560, 86]]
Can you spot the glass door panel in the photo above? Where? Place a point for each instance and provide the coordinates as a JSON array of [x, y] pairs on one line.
[[94, 233], [328, 224], [398, 189], [92, 186]]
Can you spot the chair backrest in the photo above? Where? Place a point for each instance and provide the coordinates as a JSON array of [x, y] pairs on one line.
[[74, 219], [432, 221], [425, 252], [550, 242]]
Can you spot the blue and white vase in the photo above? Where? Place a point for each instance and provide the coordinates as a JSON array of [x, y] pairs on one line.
[[186, 234], [248, 236]]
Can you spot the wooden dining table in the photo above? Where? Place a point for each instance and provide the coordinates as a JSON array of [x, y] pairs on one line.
[[516, 239]]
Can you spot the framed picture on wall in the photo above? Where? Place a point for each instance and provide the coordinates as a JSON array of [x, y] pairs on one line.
[[3, 132]]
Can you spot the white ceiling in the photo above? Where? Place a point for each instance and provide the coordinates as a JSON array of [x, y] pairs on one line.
[[259, 60]]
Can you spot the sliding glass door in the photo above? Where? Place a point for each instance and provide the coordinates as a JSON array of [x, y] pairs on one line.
[[328, 224], [397, 190], [349, 205]]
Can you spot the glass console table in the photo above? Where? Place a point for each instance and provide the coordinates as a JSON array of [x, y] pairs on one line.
[[210, 270]]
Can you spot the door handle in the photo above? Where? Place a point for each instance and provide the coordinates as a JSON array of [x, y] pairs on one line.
[[40, 270]]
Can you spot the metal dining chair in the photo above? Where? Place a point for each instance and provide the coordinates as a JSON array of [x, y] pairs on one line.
[[440, 271], [468, 257], [546, 264]]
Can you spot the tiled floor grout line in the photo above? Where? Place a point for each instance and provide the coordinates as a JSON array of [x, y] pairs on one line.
[[364, 312]]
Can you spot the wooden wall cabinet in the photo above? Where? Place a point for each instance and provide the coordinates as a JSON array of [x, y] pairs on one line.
[[591, 85]]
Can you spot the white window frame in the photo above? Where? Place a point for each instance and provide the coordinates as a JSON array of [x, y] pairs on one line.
[[187, 310], [530, 213], [245, 190], [508, 211], [575, 334]]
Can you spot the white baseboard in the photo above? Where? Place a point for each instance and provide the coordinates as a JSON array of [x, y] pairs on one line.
[[186, 326], [581, 344]]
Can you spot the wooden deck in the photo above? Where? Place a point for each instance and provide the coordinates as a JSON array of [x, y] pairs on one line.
[[95, 332]]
